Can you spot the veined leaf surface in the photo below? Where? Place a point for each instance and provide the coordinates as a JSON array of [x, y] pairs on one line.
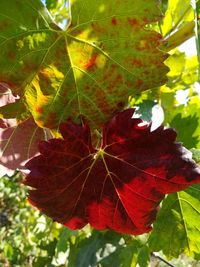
[[18, 143], [120, 185], [90, 69], [176, 229]]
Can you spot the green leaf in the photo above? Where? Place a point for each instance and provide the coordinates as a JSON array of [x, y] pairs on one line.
[[144, 257], [183, 71], [128, 255], [10, 111], [145, 109], [41, 262], [8, 251], [85, 251], [107, 248], [105, 55], [63, 241], [177, 228], [186, 121], [196, 154], [179, 37], [198, 30], [186, 126], [59, 11], [51, 4], [178, 12]]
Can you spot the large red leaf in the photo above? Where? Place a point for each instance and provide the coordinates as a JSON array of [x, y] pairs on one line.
[[118, 186]]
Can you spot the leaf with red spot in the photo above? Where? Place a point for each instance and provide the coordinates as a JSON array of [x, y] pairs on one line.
[[117, 186], [90, 69]]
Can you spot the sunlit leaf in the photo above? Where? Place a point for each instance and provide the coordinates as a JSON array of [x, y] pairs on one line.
[[186, 120], [178, 12], [177, 228], [105, 55], [180, 36], [18, 142], [120, 185]]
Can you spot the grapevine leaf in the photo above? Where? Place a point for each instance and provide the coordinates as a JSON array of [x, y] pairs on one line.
[[51, 4], [18, 142], [186, 120], [59, 11], [196, 154], [118, 186], [132, 255], [179, 37], [6, 95], [10, 105], [198, 29], [177, 226], [107, 248], [105, 55], [178, 13], [89, 250]]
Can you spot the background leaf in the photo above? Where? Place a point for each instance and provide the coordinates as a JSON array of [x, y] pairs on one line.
[[18, 143], [177, 225], [178, 12]]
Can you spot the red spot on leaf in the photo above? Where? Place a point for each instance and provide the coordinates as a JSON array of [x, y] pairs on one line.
[[12, 55], [101, 100], [29, 67], [91, 62], [119, 78], [137, 62], [132, 21], [97, 27], [139, 83], [114, 21], [39, 109], [146, 20], [4, 24], [118, 186]]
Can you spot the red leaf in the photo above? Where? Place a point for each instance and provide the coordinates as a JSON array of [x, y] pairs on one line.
[[118, 186]]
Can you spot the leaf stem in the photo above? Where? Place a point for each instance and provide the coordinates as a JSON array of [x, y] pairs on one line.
[[161, 259]]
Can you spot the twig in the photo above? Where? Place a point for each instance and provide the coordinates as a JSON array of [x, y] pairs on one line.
[[163, 260]]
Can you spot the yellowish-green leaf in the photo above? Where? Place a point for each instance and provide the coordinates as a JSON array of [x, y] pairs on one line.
[[89, 70], [180, 36], [178, 12]]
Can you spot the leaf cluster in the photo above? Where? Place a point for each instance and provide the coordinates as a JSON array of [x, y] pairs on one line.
[[70, 65]]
